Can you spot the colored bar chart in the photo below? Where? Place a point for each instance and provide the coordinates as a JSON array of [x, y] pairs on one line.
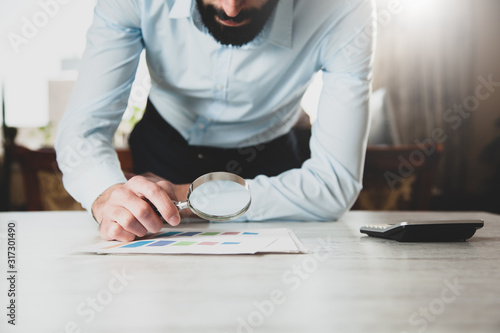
[[178, 234], [189, 241]]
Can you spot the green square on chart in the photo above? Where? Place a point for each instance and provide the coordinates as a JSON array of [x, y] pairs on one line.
[[184, 243]]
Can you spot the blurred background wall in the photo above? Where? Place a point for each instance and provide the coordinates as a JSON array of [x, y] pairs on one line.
[[439, 62]]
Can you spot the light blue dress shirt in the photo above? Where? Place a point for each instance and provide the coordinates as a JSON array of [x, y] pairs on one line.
[[224, 96]]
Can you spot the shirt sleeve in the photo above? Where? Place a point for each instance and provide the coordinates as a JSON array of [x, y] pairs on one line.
[[85, 153], [327, 184]]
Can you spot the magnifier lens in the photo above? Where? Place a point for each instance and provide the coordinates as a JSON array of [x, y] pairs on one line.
[[220, 197]]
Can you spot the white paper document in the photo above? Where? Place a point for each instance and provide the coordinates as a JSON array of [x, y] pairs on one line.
[[207, 241]]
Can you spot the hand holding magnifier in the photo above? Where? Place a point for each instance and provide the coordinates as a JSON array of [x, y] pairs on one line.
[[217, 196]]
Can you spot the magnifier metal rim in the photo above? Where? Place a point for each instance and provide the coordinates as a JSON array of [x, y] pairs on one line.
[[220, 175]]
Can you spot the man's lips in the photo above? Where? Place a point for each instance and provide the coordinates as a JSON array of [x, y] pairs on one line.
[[231, 23]]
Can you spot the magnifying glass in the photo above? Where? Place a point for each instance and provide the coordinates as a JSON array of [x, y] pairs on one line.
[[217, 196]]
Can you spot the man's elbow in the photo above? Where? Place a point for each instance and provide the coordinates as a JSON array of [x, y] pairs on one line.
[[341, 203]]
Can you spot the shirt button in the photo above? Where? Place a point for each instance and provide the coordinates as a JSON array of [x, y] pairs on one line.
[[218, 87], [200, 156], [201, 126]]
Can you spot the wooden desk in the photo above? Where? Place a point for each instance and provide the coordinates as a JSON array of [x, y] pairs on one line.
[[349, 283]]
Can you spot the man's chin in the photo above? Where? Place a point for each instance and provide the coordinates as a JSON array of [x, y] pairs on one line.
[[229, 32], [233, 36]]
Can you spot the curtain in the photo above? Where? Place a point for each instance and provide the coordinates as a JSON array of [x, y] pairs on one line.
[[425, 60]]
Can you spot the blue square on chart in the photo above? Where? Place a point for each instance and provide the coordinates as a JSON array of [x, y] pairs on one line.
[[161, 243], [191, 233], [137, 244], [168, 234]]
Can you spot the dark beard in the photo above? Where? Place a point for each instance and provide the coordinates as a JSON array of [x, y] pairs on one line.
[[236, 36]]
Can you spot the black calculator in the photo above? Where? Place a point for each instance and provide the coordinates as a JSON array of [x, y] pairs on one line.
[[425, 231]]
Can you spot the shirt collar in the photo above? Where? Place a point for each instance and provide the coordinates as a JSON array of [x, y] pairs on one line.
[[181, 9], [280, 24]]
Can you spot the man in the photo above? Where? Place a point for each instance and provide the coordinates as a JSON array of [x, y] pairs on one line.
[[227, 79]]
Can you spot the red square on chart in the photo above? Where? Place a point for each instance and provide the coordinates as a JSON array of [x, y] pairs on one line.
[[208, 243]]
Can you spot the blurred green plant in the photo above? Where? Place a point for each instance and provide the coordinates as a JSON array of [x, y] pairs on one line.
[[137, 114], [47, 134], [131, 117]]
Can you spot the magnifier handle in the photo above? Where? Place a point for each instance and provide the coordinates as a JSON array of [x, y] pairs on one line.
[[181, 205]]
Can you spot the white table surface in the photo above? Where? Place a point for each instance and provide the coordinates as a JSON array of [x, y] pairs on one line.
[[348, 283]]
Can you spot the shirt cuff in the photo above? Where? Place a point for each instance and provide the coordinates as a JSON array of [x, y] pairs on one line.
[[87, 188]]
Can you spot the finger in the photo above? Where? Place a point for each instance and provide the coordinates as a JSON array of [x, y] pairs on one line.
[[152, 177], [158, 197], [135, 212], [169, 188], [128, 222], [129, 175], [110, 230], [143, 214]]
